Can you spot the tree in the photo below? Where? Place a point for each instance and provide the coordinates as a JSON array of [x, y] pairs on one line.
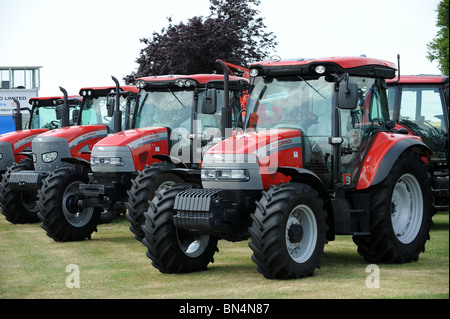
[[232, 32], [438, 49]]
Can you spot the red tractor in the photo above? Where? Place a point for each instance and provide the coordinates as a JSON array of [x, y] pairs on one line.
[[16, 146], [68, 147], [172, 126], [319, 157], [419, 103]]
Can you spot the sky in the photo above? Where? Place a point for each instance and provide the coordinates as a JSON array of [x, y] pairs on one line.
[[81, 43]]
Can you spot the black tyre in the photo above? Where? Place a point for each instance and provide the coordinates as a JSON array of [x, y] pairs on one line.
[[58, 197], [18, 207], [174, 250], [400, 216], [288, 231], [143, 188]]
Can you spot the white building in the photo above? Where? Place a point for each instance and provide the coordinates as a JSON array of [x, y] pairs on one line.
[[22, 83]]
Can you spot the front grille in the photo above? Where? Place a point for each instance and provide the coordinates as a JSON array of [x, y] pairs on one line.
[[193, 208]]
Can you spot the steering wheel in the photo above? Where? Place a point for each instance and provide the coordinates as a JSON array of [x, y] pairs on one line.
[[305, 119]]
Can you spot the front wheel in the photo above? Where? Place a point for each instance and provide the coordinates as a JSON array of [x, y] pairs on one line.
[[171, 249], [18, 207], [143, 187], [60, 215], [400, 214], [288, 232]]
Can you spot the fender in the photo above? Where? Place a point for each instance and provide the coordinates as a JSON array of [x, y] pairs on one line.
[[170, 159], [76, 161], [188, 175], [375, 170]]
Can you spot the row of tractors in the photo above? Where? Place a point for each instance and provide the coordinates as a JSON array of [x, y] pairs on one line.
[[289, 155]]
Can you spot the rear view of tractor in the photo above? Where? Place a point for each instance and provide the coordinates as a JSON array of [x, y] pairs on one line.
[[172, 128], [420, 104], [65, 148], [319, 157]]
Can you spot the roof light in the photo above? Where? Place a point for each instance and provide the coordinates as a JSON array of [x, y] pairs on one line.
[[254, 72], [320, 69], [140, 84]]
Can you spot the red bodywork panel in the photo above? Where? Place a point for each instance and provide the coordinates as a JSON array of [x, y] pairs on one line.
[[143, 143], [344, 62], [273, 148], [383, 142], [80, 136], [417, 79], [20, 140]]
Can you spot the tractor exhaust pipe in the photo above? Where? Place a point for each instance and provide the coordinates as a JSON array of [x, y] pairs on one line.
[[226, 112], [17, 115], [117, 113], [64, 111]]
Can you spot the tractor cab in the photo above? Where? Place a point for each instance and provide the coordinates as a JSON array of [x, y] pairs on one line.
[[419, 104]]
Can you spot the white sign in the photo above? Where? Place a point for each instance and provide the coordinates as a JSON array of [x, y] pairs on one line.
[[7, 103]]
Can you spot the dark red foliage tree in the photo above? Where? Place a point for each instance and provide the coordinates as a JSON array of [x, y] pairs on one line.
[[232, 32]]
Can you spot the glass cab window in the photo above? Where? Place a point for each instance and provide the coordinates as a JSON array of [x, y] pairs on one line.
[[94, 111], [306, 104]]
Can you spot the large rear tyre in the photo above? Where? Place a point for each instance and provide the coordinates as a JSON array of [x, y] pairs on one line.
[[60, 215], [400, 214], [174, 250], [143, 188], [18, 207], [288, 232]]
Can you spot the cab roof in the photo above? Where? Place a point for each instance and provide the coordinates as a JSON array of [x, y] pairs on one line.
[[361, 65]]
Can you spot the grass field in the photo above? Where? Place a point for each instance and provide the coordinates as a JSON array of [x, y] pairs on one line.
[[114, 265]]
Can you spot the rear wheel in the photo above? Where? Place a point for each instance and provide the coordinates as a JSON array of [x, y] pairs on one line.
[[18, 207], [151, 179], [401, 211], [61, 217], [171, 249], [288, 232]]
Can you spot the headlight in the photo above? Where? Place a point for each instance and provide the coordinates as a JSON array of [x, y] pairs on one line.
[[34, 157], [225, 174], [49, 157], [98, 160]]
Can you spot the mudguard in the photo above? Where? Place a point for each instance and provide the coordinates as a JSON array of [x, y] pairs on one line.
[[384, 152], [76, 161]]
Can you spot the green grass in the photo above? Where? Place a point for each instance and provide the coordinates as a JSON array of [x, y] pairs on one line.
[[114, 265]]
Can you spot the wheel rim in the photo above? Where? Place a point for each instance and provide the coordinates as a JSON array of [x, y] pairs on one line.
[[301, 233], [72, 213], [165, 185], [192, 244], [406, 208], [29, 202]]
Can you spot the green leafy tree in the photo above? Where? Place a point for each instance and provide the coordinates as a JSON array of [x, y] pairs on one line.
[[439, 47], [232, 32]]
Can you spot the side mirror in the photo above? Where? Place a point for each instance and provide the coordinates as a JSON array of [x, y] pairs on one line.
[[110, 106], [58, 111], [75, 115], [209, 104], [348, 95]]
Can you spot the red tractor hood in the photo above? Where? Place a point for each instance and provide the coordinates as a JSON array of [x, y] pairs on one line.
[[133, 138], [70, 133], [262, 143], [19, 136]]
